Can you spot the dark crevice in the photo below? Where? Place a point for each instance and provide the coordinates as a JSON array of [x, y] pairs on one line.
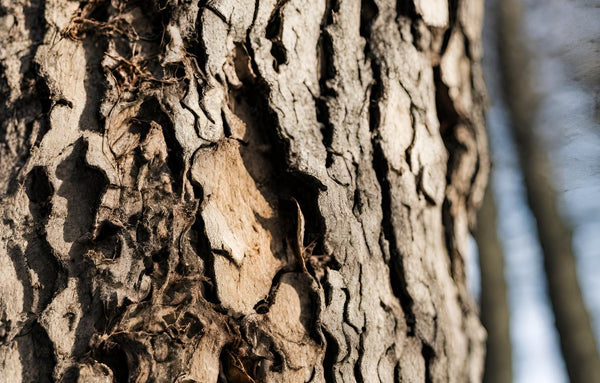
[[40, 352], [160, 256], [124, 355], [428, 356], [467, 43], [397, 373], [106, 230], [313, 221], [100, 11], [448, 222], [35, 22], [32, 109], [175, 159], [63, 102], [190, 264], [382, 171], [357, 368], [291, 183], [447, 115], [332, 351], [226, 127], [325, 52], [279, 54], [413, 140], [449, 120], [108, 240], [38, 253], [114, 356], [233, 367], [110, 313], [278, 360], [94, 45], [273, 33], [327, 128], [263, 306], [151, 110], [368, 13], [5, 110], [313, 375], [453, 13], [357, 203], [192, 325], [326, 71], [406, 8], [71, 375], [160, 9], [204, 252], [142, 233], [40, 258], [303, 187], [273, 29], [196, 187], [82, 186], [43, 95], [314, 227], [39, 189], [217, 13]]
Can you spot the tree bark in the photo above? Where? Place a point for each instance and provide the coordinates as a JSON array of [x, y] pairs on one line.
[[240, 190], [572, 321]]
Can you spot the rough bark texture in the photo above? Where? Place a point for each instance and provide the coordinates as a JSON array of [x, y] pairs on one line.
[[578, 344], [495, 315], [251, 190]]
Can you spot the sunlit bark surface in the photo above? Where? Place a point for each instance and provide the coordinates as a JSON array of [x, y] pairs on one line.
[[247, 190]]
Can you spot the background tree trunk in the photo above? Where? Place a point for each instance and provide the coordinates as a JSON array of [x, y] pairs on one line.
[[495, 315], [240, 190], [578, 344]]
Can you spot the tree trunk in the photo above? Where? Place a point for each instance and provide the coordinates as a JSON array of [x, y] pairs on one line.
[[495, 315], [578, 344], [240, 191]]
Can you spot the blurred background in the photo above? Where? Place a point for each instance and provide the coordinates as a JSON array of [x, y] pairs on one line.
[[538, 240]]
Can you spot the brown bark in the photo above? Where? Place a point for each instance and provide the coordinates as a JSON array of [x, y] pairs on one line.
[[241, 191], [494, 301], [578, 344]]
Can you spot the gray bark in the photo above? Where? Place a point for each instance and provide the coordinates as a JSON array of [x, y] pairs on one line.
[[240, 191]]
